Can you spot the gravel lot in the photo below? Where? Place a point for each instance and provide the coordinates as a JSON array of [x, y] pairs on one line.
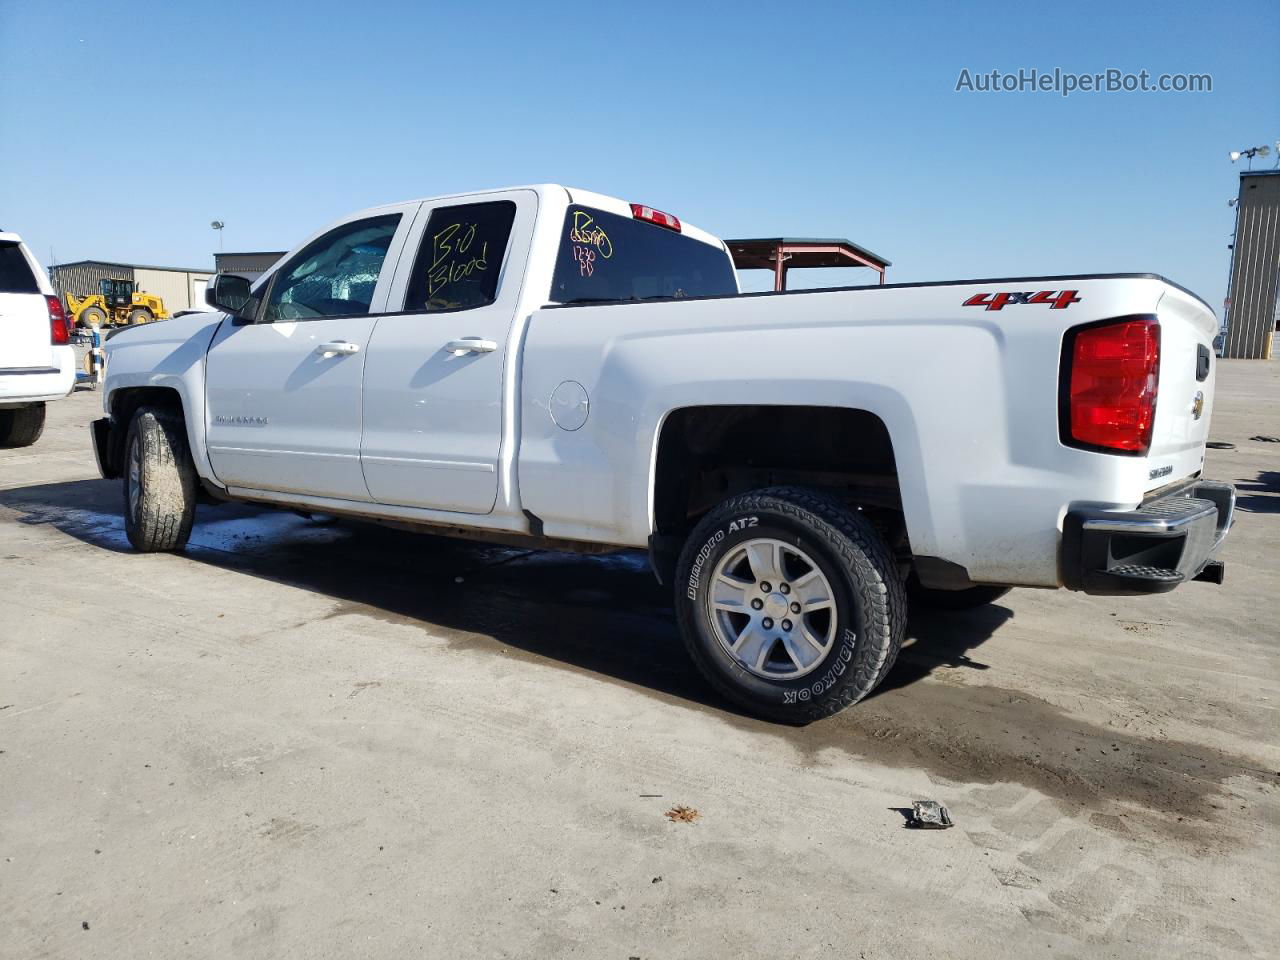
[[335, 741]]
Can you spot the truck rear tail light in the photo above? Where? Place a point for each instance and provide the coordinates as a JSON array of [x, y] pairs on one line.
[[59, 335], [641, 212], [1108, 387]]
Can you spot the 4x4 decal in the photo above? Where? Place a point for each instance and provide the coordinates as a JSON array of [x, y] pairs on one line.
[[998, 301]]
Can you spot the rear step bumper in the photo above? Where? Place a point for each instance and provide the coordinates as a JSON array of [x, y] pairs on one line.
[[1169, 540]]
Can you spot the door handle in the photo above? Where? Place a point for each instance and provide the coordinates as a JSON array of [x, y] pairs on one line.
[[470, 345], [339, 347]]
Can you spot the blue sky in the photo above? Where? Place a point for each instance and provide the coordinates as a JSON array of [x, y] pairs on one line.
[[127, 127]]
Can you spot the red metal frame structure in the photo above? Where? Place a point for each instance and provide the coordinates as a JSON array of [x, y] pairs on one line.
[[780, 254]]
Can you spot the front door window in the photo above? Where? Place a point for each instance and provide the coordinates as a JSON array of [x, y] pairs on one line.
[[335, 275]]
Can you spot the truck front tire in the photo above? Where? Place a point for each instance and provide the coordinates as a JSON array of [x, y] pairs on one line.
[[790, 603], [21, 427], [159, 481]]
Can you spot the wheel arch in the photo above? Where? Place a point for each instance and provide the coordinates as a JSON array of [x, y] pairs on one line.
[[122, 404], [703, 454]]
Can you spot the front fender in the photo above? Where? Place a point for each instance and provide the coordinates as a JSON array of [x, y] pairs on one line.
[[169, 356]]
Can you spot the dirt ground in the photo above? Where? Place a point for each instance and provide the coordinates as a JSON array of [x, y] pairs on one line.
[[336, 741]]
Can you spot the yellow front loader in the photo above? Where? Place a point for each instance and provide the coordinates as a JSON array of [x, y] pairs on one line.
[[118, 304]]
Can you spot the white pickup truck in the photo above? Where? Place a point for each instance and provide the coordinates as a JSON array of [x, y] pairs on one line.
[[550, 366]]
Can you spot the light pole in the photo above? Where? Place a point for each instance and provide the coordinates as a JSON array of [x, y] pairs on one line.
[[218, 225], [1252, 152]]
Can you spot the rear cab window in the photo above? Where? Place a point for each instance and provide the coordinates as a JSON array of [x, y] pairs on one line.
[[607, 257], [16, 275]]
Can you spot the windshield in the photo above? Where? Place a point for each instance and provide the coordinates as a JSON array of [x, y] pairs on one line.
[[607, 257]]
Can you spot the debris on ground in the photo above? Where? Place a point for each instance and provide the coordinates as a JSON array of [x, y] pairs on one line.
[[1263, 438], [929, 815], [1220, 445], [682, 814]]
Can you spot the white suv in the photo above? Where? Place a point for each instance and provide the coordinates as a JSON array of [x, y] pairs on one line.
[[36, 360]]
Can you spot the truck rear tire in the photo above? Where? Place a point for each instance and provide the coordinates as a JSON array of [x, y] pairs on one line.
[[159, 481], [790, 603], [22, 426]]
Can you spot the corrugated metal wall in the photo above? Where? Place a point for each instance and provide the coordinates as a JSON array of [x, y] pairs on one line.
[[250, 265], [1255, 267], [82, 279], [172, 286]]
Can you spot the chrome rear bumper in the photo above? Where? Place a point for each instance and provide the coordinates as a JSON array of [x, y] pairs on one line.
[[1169, 540]]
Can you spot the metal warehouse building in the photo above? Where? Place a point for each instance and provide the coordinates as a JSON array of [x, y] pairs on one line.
[[181, 288], [248, 265], [1255, 267]]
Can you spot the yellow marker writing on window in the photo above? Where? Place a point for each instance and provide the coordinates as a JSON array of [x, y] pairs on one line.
[[585, 231], [452, 257]]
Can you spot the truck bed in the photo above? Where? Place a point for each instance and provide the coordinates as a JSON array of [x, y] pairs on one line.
[[970, 396]]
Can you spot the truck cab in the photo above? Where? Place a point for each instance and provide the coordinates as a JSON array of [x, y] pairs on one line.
[[371, 365]]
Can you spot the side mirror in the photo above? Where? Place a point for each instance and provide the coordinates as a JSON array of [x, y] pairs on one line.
[[227, 292]]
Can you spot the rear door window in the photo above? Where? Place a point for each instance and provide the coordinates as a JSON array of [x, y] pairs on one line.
[[15, 271], [460, 257], [604, 256]]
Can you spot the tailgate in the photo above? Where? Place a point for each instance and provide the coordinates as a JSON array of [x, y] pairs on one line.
[[1184, 400], [24, 314]]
